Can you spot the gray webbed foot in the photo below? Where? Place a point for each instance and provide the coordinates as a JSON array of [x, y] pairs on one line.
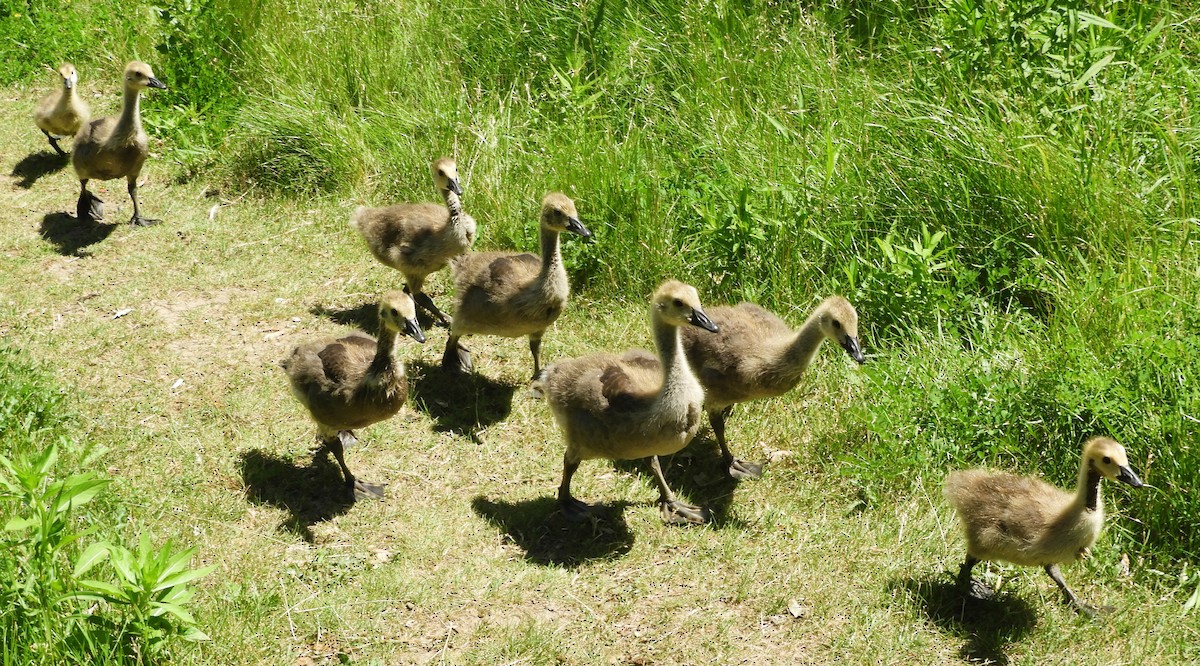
[[744, 469], [457, 359], [89, 208], [575, 511], [675, 512], [139, 221], [977, 589], [366, 491]]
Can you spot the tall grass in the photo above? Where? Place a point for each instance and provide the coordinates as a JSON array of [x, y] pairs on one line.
[[1006, 190]]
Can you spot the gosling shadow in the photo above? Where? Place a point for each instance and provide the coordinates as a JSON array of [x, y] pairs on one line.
[[70, 236], [310, 494], [537, 527], [365, 317], [988, 625], [35, 165], [462, 404], [697, 476]]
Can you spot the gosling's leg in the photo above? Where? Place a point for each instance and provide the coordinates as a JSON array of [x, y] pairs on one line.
[[423, 300], [535, 348], [54, 142], [673, 511], [972, 587], [456, 357], [137, 220], [1069, 596], [89, 208], [361, 489], [414, 284], [572, 509], [738, 469]]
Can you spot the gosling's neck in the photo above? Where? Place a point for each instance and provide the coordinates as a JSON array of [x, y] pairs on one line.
[[552, 265], [802, 349], [454, 205], [678, 380], [384, 369], [130, 122], [1088, 493]]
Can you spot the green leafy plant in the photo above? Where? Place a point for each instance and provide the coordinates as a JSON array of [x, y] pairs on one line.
[[149, 595]]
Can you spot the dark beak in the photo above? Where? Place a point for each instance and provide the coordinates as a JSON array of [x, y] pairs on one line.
[[1126, 475], [413, 330], [700, 319], [454, 186], [155, 83], [850, 344], [575, 226]]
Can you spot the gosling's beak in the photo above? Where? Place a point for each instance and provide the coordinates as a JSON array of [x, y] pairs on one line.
[[574, 225], [454, 186], [1126, 475], [413, 330], [155, 83], [700, 319], [850, 344]]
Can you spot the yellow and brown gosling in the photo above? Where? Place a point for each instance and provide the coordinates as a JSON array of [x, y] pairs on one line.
[[757, 355], [635, 405], [61, 113], [355, 381], [420, 238], [1027, 521], [510, 294], [115, 147]]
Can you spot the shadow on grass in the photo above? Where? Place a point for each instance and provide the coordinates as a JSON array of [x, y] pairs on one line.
[[365, 317], [462, 404], [70, 236], [311, 494], [36, 165], [540, 530], [987, 625], [696, 475]]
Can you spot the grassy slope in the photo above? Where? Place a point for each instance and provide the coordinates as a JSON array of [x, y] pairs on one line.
[[464, 562]]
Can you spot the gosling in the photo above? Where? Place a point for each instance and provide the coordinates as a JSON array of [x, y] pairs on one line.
[[418, 239], [757, 355], [61, 113], [635, 405], [115, 147], [1029, 522], [353, 382], [510, 295]]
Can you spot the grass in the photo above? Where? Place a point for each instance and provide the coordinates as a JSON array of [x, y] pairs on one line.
[[1025, 278]]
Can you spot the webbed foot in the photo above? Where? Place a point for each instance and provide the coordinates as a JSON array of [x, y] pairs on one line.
[[347, 438], [675, 512], [366, 491], [89, 208], [457, 359], [744, 469], [139, 221], [575, 511], [977, 589]]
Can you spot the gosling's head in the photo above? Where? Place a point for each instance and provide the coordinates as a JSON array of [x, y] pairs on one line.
[[138, 75], [839, 322], [558, 213], [1106, 456], [398, 313], [678, 304], [69, 76], [445, 175]]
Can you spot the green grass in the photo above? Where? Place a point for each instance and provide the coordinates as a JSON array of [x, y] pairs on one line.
[[1011, 213]]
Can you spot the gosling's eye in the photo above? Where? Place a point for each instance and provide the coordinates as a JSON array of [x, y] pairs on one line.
[[395, 312], [441, 173], [837, 324], [678, 303], [1107, 460]]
